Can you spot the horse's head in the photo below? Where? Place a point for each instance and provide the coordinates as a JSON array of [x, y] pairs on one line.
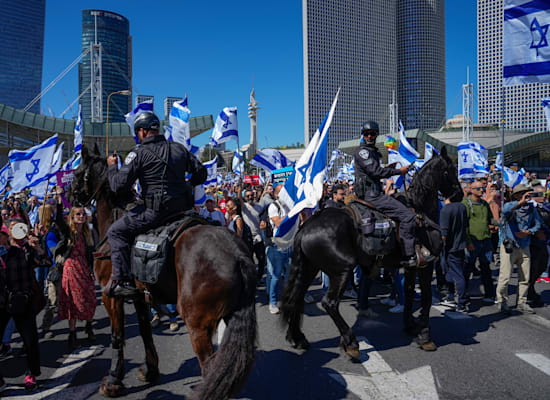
[[448, 183], [90, 175]]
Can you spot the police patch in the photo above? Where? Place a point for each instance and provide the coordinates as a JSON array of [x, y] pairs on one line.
[[130, 157], [364, 154]]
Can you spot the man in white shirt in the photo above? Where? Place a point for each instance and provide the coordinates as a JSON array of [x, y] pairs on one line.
[[279, 253], [209, 213]]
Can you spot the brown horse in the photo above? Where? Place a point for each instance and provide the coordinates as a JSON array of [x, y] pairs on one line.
[[214, 279]]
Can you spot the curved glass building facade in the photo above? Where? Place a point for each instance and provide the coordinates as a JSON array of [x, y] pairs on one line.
[[113, 32], [421, 63], [21, 52]]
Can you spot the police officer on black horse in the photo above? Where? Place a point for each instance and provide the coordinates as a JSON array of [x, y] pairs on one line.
[[161, 167], [368, 173]]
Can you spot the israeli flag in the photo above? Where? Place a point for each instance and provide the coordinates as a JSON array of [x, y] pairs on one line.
[[512, 178], [525, 50], [78, 139], [546, 105], [405, 149], [498, 161], [48, 182], [179, 123], [238, 164], [400, 161], [146, 106], [472, 160], [211, 168], [270, 159], [304, 188], [429, 151], [226, 127], [6, 175], [335, 154], [200, 195], [32, 165]]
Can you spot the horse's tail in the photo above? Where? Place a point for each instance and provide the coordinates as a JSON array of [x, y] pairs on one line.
[[292, 306], [226, 372]]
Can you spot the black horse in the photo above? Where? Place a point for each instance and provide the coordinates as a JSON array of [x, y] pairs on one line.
[[329, 241]]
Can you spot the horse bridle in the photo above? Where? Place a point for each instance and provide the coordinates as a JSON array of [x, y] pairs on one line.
[[86, 179]]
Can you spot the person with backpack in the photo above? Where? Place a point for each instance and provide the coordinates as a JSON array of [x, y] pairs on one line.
[[236, 223], [251, 215]]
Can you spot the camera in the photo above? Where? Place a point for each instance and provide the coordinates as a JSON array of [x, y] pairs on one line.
[[508, 246]]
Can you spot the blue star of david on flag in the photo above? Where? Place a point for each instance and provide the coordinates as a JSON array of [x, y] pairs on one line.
[[539, 33], [36, 170], [226, 127]]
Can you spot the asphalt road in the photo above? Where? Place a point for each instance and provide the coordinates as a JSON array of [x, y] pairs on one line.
[[481, 355]]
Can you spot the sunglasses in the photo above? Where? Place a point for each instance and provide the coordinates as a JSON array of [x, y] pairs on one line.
[[79, 214]]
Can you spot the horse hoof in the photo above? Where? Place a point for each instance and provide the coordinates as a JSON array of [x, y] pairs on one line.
[[111, 387], [428, 346], [354, 355], [148, 375], [302, 345]]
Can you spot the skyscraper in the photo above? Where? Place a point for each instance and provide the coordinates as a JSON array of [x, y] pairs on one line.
[[113, 32], [372, 48], [21, 52], [421, 63], [168, 102], [348, 43], [522, 104]]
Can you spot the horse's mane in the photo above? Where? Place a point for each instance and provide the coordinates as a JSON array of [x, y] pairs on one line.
[[114, 200]]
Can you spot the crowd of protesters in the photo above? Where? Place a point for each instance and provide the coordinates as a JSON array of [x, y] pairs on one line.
[[46, 252]]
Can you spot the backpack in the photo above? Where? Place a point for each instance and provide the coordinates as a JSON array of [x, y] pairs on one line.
[[264, 216], [247, 237]]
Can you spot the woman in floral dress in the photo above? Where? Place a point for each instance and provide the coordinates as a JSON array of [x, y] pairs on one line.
[[77, 299]]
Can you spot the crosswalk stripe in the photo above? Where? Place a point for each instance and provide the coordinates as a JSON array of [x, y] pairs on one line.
[[538, 361]]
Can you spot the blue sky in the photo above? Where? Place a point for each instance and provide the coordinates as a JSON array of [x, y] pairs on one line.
[[214, 51]]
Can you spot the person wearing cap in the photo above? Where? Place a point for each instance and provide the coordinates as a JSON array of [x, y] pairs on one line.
[[161, 167], [368, 173], [520, 222], [210, 213]]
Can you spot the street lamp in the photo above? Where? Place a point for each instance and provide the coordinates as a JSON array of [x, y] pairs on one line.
[[125, 93]]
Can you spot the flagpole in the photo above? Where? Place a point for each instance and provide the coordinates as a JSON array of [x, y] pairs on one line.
[[502, 148]]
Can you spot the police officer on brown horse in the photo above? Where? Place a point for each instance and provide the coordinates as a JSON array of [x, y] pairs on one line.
[[161, 167], [368, 173]]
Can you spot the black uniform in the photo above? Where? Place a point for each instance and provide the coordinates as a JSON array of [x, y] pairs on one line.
[[368, 173], [161, 167]]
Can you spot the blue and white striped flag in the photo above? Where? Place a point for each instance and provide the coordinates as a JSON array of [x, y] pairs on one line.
[[513, 178], [405, 148], [78, 139], [146, 106], [179, 123], [226, 127], [200, 195], [472, 160], [525, 50], [6, 175], [304, 188], [238, 164], [270, 159], [49, 181], [335, 154], [546, 105], [32, 165], [400, 161], [212, 171], [429, 151], [498, 161]]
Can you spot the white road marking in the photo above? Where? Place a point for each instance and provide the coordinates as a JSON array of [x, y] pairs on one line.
[[448, 311], [63, 375], [383, 383], [538, 361], [537, 319]]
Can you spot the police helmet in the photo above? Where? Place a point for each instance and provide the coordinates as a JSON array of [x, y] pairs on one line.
[[368, 127], [148, 121]]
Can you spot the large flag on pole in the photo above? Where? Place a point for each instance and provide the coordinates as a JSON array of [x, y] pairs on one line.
[[226, 127], [270, 159], [77, 139], [405, 148], [32, 165], [6, 175], [304, 188], [429, 151], [525, 50], [238, 164], [40, 188], [179, 123], [472, 160], [212, 170], [146, 106]]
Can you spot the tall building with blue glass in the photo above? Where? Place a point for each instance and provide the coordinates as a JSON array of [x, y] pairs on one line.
[[113, 32], [21, 52], [373, 48], [421, 63]]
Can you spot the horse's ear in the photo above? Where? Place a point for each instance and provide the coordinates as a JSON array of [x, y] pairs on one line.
[[443, 152], [85, 154], [96, 149]]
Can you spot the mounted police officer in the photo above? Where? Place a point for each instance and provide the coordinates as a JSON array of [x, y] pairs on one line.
[[368, 173], [161, 167]]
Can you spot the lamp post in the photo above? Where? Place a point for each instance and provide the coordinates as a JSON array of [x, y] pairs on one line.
[[125, 93]]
